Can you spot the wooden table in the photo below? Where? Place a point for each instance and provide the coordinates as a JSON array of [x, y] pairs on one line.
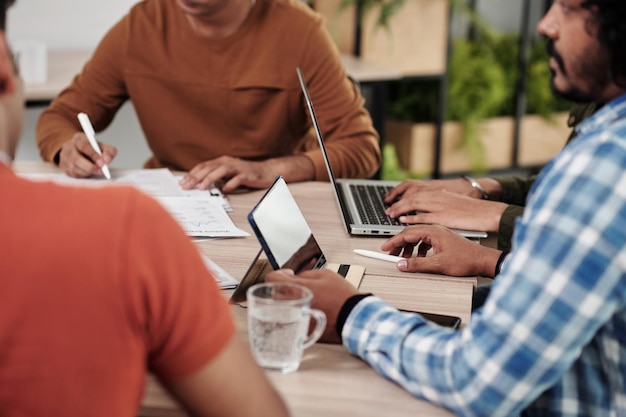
[[330, 381]]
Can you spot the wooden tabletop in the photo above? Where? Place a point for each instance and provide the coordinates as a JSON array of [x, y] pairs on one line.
[[330, 381]]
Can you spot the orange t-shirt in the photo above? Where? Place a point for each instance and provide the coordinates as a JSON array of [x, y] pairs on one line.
[[96, 287]]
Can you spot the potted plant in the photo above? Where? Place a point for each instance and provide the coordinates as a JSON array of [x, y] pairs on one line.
[[480, 106]]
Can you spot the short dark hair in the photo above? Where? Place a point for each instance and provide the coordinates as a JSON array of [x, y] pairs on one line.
[[610, 18], [4, 5]]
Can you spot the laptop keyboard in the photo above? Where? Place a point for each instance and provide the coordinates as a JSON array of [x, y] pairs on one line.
[[371, 205]]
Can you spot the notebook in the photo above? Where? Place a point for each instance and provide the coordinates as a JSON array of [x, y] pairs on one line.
[[286, 241], [360, 201]]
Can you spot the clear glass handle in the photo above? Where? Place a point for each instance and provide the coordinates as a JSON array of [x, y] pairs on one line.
[[320, 325]]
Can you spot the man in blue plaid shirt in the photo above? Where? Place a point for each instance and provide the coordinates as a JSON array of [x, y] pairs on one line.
[[551, 338]]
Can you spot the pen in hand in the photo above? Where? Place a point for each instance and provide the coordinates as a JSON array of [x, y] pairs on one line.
[[85, 123], [378, 255]]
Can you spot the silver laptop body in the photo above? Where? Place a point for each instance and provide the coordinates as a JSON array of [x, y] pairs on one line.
[[360, 201]]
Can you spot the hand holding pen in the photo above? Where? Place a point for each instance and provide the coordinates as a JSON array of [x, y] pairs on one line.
[[85, 123]]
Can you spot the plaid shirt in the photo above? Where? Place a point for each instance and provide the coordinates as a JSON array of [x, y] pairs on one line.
[[551, 338]]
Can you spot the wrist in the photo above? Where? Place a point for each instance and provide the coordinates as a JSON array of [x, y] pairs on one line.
[[492, 187], [296, 168], [489, 262], [346, 309], [500, 262], [476, 186]]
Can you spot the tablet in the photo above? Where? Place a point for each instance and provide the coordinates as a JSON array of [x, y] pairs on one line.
[[283, 232], [286, 242]]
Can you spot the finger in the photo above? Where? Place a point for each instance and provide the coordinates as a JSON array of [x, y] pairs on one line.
[[76, 171], [403, 206], [108, 153], [193, 177], [397, 191], [421, 218], [280, 275], [428, 264], [79, 166], [410, 235], [196, 174], [83, 147], [222, 172], [422, 249], [233, 183], [405, 251]]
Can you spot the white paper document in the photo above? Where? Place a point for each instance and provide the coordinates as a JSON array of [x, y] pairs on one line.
[[201, 213], [201, 216], [223, 278]]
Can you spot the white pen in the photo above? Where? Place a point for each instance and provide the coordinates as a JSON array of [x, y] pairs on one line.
[[85, 123], [378, 255]]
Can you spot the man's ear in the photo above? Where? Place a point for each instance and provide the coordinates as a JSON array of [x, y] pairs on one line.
[[7, 72]]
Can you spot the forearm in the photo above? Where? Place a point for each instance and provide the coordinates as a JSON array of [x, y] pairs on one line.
[[491, 187], [295, 168], [351, 158], [464, 371], [515, 189], [54, 128], [98, 91], [425, 360]]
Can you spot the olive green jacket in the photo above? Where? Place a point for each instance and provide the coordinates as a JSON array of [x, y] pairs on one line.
[[515, 189]]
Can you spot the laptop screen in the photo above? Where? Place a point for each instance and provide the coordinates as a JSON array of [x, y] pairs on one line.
[[316, 125]]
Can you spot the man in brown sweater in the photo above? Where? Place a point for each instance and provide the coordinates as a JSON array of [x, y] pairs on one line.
[[215, 89]]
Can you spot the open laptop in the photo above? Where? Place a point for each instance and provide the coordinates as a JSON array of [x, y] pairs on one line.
[[361, 202]]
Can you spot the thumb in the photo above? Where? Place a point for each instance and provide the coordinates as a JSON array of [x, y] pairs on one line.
[[427, 264], [280, 275]]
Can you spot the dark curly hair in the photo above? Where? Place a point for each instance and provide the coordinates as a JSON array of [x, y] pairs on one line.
[[610, 18]]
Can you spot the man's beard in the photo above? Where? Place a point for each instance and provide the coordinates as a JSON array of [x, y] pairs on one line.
[[593, 69]]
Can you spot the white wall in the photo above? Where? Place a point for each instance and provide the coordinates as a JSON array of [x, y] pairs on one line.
[[76, 24], [65, 24], [124, 133]]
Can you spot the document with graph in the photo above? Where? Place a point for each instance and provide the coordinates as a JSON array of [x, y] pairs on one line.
[[201, 216], [201, 213]]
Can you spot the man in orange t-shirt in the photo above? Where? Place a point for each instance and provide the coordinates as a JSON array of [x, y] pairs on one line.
[[100, 286]]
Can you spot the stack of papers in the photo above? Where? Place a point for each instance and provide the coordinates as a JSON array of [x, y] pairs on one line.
[[201, 213]]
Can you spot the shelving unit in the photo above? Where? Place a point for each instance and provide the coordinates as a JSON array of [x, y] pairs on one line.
[[424, 60], [363, 45]]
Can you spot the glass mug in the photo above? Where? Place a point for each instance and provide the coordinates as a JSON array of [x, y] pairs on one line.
[[279, 314]]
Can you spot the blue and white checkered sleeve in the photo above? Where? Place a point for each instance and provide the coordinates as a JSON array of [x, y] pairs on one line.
[[563, 282]]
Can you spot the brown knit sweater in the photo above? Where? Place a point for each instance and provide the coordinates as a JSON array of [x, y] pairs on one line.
[[198, 99]]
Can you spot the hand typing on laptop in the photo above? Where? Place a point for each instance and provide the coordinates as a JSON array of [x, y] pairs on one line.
[[447, 208]]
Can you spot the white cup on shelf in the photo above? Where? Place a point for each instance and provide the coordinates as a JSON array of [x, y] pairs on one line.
[[32, 60]]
